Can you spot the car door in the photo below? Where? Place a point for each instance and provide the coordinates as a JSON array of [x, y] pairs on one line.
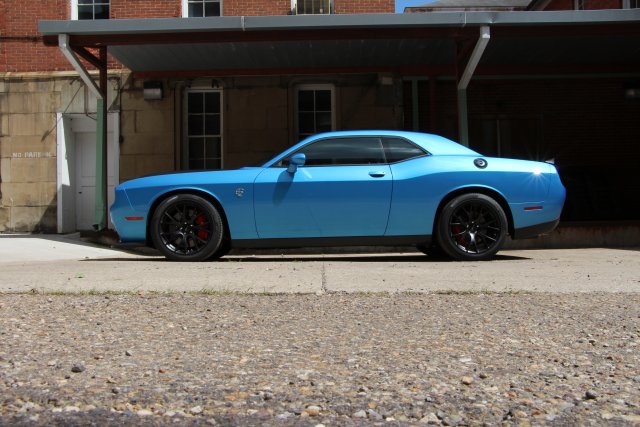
[[342, 190]]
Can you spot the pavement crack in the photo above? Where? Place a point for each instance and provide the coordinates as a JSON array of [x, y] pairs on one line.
[[323, 278]]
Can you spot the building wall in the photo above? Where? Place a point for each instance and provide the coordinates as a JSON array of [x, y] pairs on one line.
[[259, 119], [28, 136], [147, 131], [22, 49], [586, 125], [588, 4], [28, 154]]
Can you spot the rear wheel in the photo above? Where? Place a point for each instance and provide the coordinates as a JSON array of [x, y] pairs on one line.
[[472, 227], [186, 227]]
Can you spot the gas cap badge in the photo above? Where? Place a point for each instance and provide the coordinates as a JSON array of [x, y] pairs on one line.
[[480, 163], [239, 192]]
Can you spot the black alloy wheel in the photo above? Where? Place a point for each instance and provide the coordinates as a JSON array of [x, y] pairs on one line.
[[186, 227], [472, 227]]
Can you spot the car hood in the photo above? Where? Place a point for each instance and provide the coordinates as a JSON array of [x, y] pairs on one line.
[[193, 178]]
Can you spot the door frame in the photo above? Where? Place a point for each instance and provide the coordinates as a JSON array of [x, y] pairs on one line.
[[67, 126]]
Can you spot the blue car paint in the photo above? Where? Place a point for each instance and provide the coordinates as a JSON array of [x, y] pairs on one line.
[[323, 201], [334, 201]]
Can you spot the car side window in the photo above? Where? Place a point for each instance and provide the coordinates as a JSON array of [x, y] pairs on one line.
[[397, 150], [344, 151]]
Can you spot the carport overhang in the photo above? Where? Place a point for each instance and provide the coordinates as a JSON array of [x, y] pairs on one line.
[[418, 43], [456, 45]]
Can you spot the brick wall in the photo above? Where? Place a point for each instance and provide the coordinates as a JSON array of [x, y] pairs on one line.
[[256, 7], [123, 9], [360, 6], [589, 4], [23, 50]]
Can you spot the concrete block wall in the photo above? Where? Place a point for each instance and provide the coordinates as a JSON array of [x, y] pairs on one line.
[[28, 155], [147, 132]]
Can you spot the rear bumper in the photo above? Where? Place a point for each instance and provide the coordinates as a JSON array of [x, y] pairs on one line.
[[535, 230]]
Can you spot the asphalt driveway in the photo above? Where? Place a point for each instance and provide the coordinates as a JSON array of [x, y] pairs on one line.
[[51, 263]]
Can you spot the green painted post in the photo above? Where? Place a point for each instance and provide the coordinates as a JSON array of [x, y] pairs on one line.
[[101, 220]]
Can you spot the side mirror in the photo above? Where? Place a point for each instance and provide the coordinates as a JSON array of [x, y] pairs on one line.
[[295, 161]]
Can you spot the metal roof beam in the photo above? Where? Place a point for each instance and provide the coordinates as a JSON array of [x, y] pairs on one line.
[[474, 59], [63, 44]]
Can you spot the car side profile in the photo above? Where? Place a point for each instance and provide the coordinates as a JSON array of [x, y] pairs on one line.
[[352, 188]]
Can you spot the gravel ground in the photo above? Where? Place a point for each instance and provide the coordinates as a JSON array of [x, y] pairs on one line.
[[336, 359]]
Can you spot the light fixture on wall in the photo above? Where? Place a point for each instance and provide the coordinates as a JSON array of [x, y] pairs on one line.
[[632, 90], [152, 90]]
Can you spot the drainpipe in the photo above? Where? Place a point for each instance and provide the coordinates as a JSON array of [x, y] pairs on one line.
[[474, 59], [100, 92]]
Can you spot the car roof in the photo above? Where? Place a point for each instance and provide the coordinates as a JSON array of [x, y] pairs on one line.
[[434, 144]]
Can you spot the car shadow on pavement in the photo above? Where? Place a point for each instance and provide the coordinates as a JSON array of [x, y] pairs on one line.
[[315, 258]]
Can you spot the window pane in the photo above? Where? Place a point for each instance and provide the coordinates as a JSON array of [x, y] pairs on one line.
[[101, 12], [400, 149], [212, 147], [323, 122], [344, 151], [196, 148], [196, 164], [196, 10], [212, 124], [80, 2], [196, 102], [213, 164], [212, 102], [196, 124], [305, 100], [313, 6], [306, 123], [85, 12], [323, 100], [212, 9]]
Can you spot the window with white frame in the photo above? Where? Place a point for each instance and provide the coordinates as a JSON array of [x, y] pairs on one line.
[[631, 4], [315, 111], [312, 7], [203, 129], [89, 9], [201, 8]]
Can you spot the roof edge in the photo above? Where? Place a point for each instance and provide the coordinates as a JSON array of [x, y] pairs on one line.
[[328, 22]]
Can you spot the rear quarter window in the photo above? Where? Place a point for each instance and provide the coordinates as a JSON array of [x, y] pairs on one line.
[[398, 150]]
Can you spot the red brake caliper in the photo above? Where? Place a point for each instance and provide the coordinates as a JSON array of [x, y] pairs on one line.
[[456, 229], [202, 219]]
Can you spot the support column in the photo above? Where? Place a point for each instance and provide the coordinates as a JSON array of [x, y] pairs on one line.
[[102, 172], [463, 83]]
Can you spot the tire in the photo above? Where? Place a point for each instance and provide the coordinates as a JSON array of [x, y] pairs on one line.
[[186, 227], [472, 227]]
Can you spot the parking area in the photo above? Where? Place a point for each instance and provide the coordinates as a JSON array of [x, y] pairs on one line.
[[47, 263]]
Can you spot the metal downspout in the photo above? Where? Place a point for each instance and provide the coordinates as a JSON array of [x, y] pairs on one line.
[[474, 59]]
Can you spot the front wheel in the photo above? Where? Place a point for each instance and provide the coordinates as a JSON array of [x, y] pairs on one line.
[[186, 227], [472, 227]]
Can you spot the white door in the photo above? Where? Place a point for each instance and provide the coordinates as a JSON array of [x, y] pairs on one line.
[[86, 178]]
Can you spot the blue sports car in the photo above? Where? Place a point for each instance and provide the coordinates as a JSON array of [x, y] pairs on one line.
[[346, 189]]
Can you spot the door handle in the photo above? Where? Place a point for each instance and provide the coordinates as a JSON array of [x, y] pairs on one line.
[[377, 174]]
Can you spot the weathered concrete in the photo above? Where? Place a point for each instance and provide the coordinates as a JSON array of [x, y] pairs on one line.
[[60, 264]]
